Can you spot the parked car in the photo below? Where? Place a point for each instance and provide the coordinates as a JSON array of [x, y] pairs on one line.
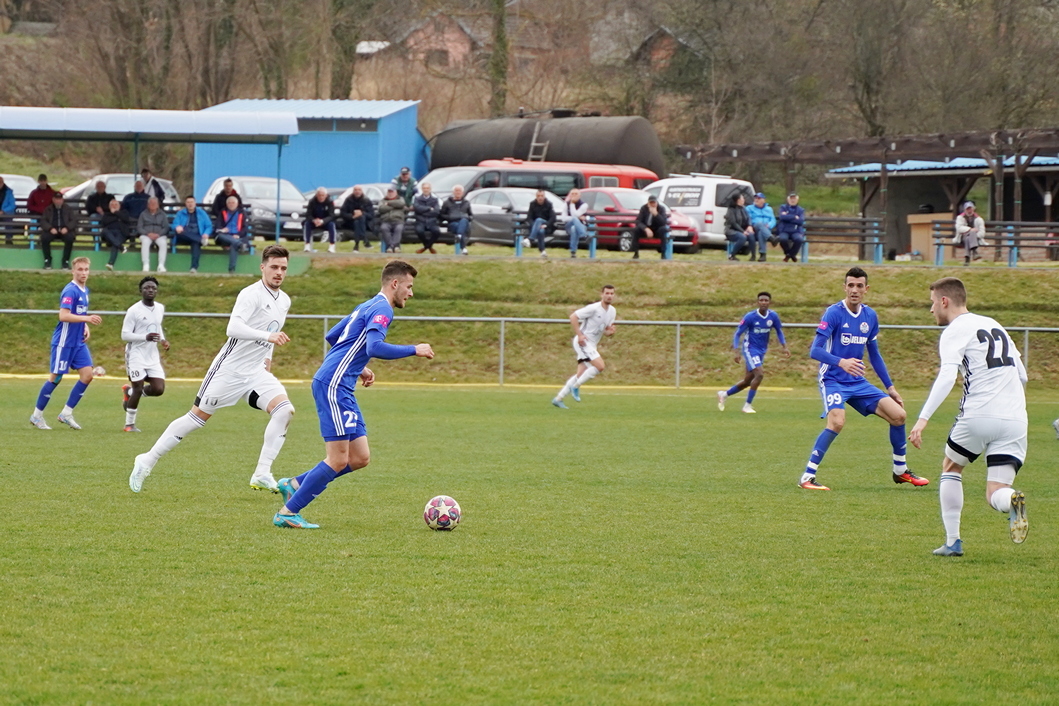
[[616, 211], [20, 185], [556, 177], [259, 193], [374, 191], [333, 191], [119, 185], [495, 210], [703, 197]]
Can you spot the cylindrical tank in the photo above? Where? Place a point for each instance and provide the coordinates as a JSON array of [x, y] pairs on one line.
[[628, 140]]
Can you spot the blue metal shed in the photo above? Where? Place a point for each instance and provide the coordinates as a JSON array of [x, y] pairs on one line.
[[339, 143]]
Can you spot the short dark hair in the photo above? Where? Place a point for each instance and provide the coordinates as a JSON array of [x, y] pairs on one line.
[[952, 288], [190, 196], [227, 180], [606, 286], [764, 294], [145, 280], [146, 170], [397, 268], [274, 251], [856, 272], [42, 177]]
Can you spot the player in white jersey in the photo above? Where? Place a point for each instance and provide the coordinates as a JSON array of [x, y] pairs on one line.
[[242, 370], [142, 332], [590, 324], [992, 418]]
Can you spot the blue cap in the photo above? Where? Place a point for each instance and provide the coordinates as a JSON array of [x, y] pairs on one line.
[[759, 195]]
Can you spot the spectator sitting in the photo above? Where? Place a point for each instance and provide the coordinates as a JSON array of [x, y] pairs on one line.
[[135, 202], [541, 218], [98, 203], [737, 228], [153, 227], [575, 213], [192, 226], [114, 229], [970, 232], [358, 215], [58, 220], [791, 228], [230, 230], [7, 209], [427, 208], [320, 215], [152, 185], [392, 211], [763, 221], [651, 222], [456, 211], [220, 201], [41, 197], [405, 185]]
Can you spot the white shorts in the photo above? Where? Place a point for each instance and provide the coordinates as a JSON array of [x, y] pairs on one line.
[[138, 367], [1002, 440], [221, 390], [585, 353]]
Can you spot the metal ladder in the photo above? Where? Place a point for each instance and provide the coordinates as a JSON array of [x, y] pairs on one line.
[[538, 150]]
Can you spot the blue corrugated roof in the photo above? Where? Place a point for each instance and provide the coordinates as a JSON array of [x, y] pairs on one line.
[[920, 165], [307, 108]]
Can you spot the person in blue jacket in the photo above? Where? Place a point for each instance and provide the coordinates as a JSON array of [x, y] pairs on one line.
[[7, 206], [791, 228], [763, 221], [192, 226]]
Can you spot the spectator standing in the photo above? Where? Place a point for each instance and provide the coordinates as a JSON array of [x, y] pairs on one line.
[[791, 228], [320, 215], [651, 222], [970, 232], [456, 211], [97, 204], [737, 228], [135, 202], [58, 221], [220, 201], [392, 211], [7, 209], [153, 227], [114, 229], [152, 186], [41, 197], [763, 221], [541, 219], [427, 208], [192, 226], [358, 215], [405, 184], [575, 215], [230, 230]]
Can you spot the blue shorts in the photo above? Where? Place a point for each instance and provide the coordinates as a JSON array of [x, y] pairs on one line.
[[753, 358], [340, 418], [861, 396], [63, 360]]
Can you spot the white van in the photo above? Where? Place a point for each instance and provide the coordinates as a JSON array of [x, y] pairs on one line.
[[703, 197]]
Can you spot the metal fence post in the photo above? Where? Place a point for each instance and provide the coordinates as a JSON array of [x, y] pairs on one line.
[[677, 363], [667, 253], [592, 238], [805, 250], [502, 322], [939, 245], [518, 237], [1013, 250], [1026, 347], [326, 329]]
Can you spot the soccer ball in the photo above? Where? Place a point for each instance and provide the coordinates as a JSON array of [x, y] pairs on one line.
[[442, 513], [98, 371]]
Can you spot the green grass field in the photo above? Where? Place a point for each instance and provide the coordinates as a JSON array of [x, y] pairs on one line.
[[642, 548]]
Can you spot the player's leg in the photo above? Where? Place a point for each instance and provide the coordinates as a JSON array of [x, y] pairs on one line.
[[59, 366], [582, 358], [173, 435], [950, 497], [575, 392], [82, 361], [281, 412], [894, 414], [1004, 456], [835, 404], [132, 394], [723, 395], [757, 375]]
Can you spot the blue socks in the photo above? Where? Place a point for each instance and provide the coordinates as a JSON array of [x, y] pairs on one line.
[[45, 394], [314, 483], [76, 394], [823, 443], [899, 443], [732, 390], [750, 396]]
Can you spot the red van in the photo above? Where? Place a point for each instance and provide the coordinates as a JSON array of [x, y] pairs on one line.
[[556, 177]]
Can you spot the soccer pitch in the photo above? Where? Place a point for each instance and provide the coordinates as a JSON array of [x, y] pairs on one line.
[[640, 548]]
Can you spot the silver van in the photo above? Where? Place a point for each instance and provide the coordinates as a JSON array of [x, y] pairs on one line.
[[704, 198]]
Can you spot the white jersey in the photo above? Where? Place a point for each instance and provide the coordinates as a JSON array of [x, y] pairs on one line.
[[594, 320], [991, 367], [141, 320], [258, 313]]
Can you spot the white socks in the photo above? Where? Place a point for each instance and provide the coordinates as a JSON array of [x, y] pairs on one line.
[[950, 493], [570, 384], [130, 417], [1001, 499], [589, 373], [173, 435], [275, 435]]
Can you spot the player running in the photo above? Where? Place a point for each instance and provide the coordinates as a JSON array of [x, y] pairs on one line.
[[69, 347], [590, 324], [242, 370], [354, 340], [992, 418], [845, 330], [754, 329], [142, 332]]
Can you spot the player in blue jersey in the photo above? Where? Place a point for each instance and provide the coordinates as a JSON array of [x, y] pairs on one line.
[[845, 330], [355, 340], [753, 332], [69, 347]]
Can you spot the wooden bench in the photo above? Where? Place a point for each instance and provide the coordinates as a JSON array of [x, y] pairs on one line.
[[1025, 241]]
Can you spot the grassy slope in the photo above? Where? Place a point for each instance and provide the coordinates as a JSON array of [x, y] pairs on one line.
[[540, 353]]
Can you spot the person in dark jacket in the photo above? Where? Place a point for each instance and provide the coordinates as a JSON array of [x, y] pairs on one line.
[[392, 211], [135, 202], [320, 215], [229, 229], [791, 228], [98, 202], [427, 208], [115, 228], [220, 201], [59, 221], [405, 184], [651, 222], [456, 211], [737, 228], [358, 215], [152, 186], [541, 219]]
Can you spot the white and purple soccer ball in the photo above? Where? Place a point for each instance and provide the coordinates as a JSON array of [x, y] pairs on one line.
[[442, 513]]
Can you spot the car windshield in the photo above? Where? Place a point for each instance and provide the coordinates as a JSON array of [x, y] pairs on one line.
[[118, 184], [267, 190], [444, 179], [630, 200]]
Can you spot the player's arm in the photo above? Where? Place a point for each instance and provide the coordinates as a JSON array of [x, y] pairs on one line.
[[575, 324], [379, 348], [1023, 375], [161, 333], [68, 317], [879, 367], [779, 334], [820, 353], [609, 331], [127, 333], [938, 392], [335, 333], [739, 331], [238, 327]]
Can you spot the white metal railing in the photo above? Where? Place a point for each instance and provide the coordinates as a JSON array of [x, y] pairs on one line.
[[503, 321]]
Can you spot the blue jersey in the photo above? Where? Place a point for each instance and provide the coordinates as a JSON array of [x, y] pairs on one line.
[[754, 329], [68, 335], [845, 335], [348, 356]]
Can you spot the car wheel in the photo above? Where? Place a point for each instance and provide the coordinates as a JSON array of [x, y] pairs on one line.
[[625, 242], [692, 249]]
